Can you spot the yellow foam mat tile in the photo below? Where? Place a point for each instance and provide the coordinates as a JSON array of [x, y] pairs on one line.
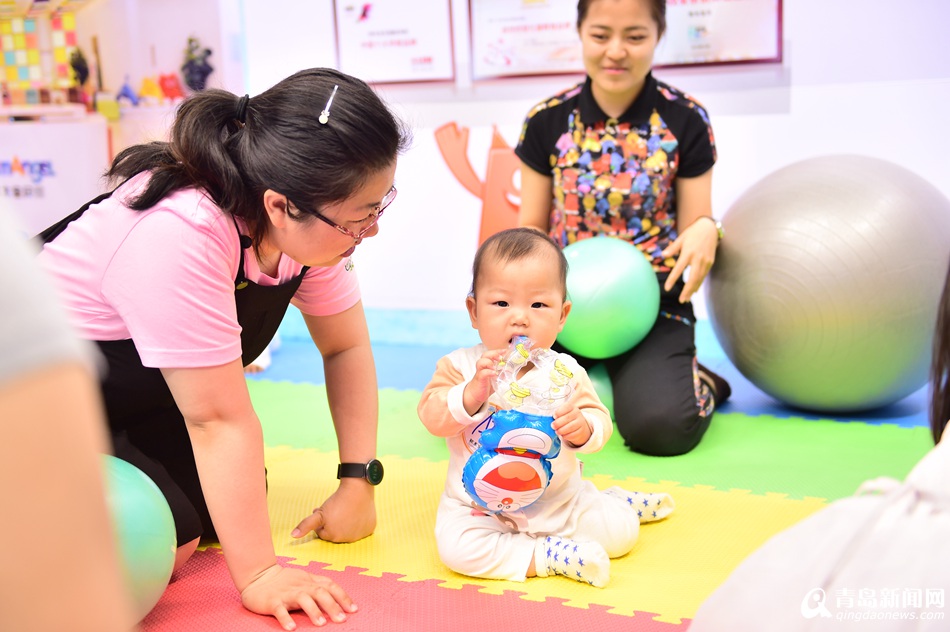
[[675, 565]]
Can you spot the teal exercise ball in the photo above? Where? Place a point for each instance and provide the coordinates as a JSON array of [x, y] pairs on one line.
[[602, 386], [615, 296], [144, 529]]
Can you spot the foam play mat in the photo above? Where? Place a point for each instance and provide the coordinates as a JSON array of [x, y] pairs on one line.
[[760, 468]]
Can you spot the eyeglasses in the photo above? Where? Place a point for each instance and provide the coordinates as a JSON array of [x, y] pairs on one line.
[[369, 221]]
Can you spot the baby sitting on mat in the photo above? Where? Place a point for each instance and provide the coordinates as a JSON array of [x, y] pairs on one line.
[[514, 415]]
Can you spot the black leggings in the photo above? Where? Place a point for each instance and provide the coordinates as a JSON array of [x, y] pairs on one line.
[[148, 432], [660, 407], [165, 456], [163, 452]]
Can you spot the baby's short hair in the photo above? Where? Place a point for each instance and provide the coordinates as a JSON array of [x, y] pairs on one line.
[[513, 244]]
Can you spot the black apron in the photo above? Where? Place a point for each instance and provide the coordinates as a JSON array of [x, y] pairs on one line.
[[146, 426]]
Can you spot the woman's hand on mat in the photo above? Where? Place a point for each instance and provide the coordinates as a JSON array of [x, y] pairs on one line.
[[279, 590], [696, 247], [346, 516]]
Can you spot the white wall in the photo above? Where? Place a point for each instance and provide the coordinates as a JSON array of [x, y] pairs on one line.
[[869, 77], [146, 38]]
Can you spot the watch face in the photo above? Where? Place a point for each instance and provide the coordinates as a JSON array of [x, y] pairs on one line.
[[374, 472]]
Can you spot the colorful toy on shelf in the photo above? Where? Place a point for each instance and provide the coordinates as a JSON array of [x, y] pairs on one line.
[[107, 105], [80, 66], [126, 92], [171, 86], [511, 467], [150, 92], [196, 68]]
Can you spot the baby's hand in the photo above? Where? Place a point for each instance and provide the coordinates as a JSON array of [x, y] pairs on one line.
[[482, 384], [571, 425]]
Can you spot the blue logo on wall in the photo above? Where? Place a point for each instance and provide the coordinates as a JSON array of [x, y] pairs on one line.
[[36, 170]]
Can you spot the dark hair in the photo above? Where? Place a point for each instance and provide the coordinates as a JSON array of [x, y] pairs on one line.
[[657, 9], [514, 244], [940, 366], [280, 145]]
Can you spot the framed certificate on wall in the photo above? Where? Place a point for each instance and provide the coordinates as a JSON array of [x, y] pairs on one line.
[[538, 37], [385, 42], [524, 37], [721, 32]]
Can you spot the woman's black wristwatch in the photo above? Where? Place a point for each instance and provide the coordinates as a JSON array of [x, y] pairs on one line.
[[372, 471]]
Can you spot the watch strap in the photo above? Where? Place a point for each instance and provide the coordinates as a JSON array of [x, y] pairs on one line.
[[371, 472], [716, 222], [351, 470]]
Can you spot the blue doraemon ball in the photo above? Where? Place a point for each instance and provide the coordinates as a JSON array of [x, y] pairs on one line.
[[511, 468]]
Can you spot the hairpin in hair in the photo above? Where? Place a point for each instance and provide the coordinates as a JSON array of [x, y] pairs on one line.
[[240, 112], [325, 115]]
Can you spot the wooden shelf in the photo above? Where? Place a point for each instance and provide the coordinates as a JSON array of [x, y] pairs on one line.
[[14, 113]]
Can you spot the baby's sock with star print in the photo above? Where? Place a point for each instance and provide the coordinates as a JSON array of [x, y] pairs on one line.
[[585, 562], [649, 506]]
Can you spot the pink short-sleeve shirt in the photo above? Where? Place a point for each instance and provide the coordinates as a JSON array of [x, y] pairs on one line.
[[165, 278]]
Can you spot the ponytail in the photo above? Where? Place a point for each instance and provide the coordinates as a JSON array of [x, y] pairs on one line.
[[196, 156], [235, 148]]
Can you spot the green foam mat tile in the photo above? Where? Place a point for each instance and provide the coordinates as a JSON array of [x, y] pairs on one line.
[[792, 456]]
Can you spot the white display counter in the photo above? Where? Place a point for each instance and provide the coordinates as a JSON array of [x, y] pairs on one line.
[[52, 158]]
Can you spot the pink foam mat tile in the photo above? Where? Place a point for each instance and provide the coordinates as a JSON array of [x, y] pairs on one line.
[[202, 597]]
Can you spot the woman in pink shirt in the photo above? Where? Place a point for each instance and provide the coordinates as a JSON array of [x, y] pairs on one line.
[[182, 275]]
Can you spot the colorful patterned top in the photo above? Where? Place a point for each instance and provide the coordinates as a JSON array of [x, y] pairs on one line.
[[612, 176]]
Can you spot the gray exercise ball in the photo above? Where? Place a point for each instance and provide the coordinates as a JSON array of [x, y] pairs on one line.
[[825, 288]]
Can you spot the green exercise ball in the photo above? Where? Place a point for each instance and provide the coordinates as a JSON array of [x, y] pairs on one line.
[[144, 529], [615, 296], [602, 386]]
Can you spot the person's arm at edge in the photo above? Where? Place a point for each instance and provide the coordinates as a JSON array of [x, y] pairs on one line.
[[349, 514], [52, 467], [698, 238], [228, 444], [536, 199]]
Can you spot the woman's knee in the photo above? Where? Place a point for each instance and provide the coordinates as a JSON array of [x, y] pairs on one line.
[[661, 432], [184, 552]]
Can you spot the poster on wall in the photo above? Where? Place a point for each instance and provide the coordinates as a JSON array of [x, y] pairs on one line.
[[537, 37], [721, 32], [524, 37], [382, 42]]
